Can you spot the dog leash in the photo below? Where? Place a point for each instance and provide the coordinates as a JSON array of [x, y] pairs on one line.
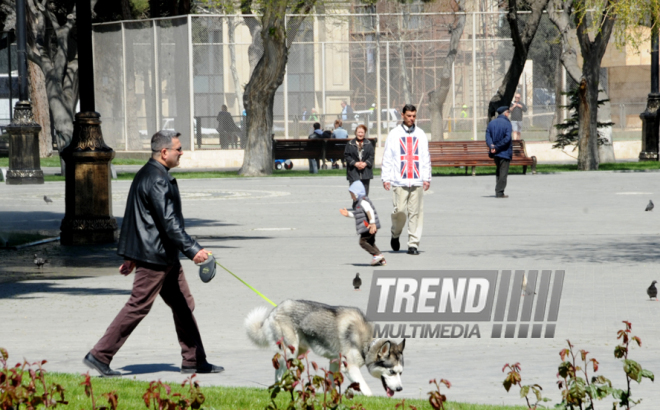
[[246, 284]]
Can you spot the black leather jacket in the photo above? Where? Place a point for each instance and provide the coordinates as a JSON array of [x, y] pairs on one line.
[[352, 155], [153, 229]]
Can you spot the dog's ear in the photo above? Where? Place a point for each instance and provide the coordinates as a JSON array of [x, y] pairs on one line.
[[402, 345], [384, 349]]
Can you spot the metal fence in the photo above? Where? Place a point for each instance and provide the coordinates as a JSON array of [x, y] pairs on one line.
[[178, 73]]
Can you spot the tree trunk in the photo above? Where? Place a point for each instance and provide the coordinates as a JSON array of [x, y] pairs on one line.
[[587, 159], [557, 117], [256, 48], [605, 151], [438, 97], [259, 98], [232, 63], [40, 109], [521, 43], [405, 79]]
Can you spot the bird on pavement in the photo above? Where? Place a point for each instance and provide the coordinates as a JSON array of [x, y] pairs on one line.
[[357, 282], [652, 291], [39, 261], [47, 200], [649, 207]]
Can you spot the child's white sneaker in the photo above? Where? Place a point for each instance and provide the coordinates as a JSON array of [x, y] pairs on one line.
[[378, 260]]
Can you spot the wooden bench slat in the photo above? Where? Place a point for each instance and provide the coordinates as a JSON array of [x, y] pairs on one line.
[[474, 154]]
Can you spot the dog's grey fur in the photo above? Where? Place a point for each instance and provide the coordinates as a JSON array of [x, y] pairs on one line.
[[329, 331]]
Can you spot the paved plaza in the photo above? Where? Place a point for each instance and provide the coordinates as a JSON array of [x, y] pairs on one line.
[[285, 237]]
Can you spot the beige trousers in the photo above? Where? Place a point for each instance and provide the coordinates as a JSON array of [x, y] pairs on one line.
[[408, 203]]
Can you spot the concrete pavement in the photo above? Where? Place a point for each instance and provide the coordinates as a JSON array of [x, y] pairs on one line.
[[285, 236]]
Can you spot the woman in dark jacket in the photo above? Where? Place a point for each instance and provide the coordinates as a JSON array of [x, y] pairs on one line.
[[359, 156]]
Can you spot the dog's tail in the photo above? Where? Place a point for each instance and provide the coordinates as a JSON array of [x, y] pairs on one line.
[[254, 325]]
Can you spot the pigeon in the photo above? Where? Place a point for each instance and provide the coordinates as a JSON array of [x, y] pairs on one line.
[[39, 261], [47, 200], [357, 282], [652, 291], [649, 207]]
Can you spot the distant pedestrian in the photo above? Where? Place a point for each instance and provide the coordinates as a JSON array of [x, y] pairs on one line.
[[366, 222], [517, 109], [407, 170], [359, 157], [340, 133], [498, 138], [346, 111], [152, 235], [304, 114], [227, 129], [314, 116], [314, 162]]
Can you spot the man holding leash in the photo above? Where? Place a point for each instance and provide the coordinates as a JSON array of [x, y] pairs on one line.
[[407, 170], [498, 138], [152, 235]]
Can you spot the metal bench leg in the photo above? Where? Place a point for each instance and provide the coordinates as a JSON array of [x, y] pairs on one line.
[[524, 169], [534, 165], [473, 171]]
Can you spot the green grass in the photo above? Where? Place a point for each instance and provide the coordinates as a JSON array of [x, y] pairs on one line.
[[54, 161], [437, 171], [130, 394], [19, 238]]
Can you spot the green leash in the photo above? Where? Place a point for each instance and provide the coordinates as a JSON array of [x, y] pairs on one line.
[[246, 284]]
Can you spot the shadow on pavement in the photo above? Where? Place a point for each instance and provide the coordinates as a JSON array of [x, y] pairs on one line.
[[34, 220], [643, 249], [149, 368], [23, 289], [197, 222]]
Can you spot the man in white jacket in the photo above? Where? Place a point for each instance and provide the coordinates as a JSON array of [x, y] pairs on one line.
[[407, 170]]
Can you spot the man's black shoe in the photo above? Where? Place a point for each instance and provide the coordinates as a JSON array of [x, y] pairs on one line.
[[105, 370], [205, 368], [394, 243], [413, 251]]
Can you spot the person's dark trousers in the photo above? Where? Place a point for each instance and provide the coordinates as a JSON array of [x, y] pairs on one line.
[[500, 175], [365, 182], [313, 166], [368, 243], [149, 282]]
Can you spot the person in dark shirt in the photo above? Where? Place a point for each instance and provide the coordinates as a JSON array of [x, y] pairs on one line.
[[227, 129], [498, 139], [517, 109]]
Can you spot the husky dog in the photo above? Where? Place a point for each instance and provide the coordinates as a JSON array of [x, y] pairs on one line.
[[329, 331]]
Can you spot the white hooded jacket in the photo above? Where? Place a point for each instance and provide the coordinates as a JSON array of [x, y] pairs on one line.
[[406, 160]]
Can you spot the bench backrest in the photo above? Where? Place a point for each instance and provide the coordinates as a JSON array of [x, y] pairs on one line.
[[473, 149], [303, 148]]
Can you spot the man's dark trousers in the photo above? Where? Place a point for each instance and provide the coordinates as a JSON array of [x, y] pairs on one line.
[[501, 174], [149, 282]]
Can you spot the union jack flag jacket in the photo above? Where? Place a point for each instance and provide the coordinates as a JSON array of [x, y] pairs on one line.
[[406, 160]]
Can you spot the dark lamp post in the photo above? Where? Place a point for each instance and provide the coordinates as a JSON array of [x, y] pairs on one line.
[[24, 163], [88, 216], [650, 120]]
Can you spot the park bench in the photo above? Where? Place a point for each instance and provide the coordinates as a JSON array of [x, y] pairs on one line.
[[475, 154], [305, 148]]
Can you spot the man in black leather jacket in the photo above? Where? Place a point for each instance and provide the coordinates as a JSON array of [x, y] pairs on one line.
[[152, 235]]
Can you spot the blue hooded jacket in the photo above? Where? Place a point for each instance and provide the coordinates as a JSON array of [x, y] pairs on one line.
[[498, 133]]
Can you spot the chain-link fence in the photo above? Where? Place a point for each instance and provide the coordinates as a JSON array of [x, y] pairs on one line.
[[188, 73]]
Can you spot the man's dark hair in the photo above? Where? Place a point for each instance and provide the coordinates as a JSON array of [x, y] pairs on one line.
[[163, 139], [409, 107], [317, 126]]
